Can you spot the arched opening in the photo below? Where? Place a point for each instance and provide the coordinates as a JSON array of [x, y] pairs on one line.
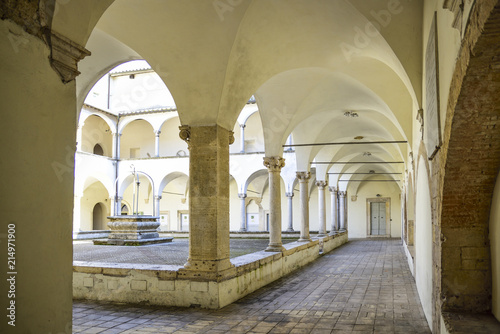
[[99, 217], [98, 150], [137, 140], [96, 136], [124, 209]]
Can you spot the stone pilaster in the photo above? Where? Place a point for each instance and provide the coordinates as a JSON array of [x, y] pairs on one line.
[[304, 205], [274, 165], [342, 209], [321, 207], [243, 212], [208, 199], [290, 212], [335, 210]]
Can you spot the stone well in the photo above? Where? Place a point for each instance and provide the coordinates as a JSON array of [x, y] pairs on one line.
[[133, 230]]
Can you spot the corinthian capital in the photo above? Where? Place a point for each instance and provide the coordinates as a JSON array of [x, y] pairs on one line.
[[332, 189], [274, 164], [303, 176], [342, 193], [321, 184]]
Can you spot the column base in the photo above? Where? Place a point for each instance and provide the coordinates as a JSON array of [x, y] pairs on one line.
[[208, 265], [304, 239], [243, 229], [322, 235], [290, 230], [274, 248]]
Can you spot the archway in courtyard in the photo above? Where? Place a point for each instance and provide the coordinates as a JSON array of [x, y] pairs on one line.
[[99, 217], [468, 250]]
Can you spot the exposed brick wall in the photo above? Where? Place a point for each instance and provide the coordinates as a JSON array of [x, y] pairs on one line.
[[465, 170]]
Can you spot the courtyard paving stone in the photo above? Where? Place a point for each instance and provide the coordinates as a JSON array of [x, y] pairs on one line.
[[364, 286]]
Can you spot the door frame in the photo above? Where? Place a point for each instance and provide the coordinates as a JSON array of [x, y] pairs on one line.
[[387, 201]]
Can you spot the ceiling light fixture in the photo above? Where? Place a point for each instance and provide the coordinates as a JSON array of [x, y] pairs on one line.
[[367, 154], [350, 113], [359, 137]]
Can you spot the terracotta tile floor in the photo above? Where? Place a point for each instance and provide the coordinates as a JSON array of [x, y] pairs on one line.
[[364, 286]]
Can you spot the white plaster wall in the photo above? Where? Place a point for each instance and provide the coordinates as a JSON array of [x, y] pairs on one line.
[[137, 134], [254, 137], [357, 210], [145, 91], [37, 132], [170, 142], [95, 193], [96, 131], [495, 249], [423, 240], [173, 201], [234, 207]]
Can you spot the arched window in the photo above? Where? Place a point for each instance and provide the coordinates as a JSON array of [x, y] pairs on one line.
[[124, 210], [98, 150]]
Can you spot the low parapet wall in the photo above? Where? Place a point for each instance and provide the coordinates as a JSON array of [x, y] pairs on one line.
[[165, 285]]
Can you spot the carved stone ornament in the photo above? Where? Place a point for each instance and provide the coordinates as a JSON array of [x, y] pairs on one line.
[[185, 133], [64, 55], [289, 194], [332, 189], [303, 176], [231, 137], [242, 196], [274, 164], [342, 193], [321, 184]]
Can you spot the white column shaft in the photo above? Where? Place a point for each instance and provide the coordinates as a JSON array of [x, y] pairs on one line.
[[342, 209], [242, 138], [290, 212], [243, 212], [157, 143], [304, 205], [321, 207]]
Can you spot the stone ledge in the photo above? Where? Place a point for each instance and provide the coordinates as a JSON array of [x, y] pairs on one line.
[[170, 285]]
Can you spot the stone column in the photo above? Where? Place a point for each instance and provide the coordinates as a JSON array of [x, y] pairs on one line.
[[157, 143], [243, 211], [208, 199], [342, 216], [304, 205], [157, 205], [290, 212], [335, 210], [242, 138], [116, 145], [118, 205], [321, 206], [274, 165]]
